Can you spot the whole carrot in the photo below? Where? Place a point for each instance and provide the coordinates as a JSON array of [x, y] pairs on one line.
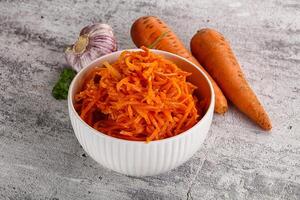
[[215, 54], [153, 32]]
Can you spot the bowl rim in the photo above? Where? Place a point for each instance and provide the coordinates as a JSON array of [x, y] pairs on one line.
[[160, 52]]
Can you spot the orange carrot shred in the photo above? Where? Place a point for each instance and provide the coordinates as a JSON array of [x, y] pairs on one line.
[[140, 97]]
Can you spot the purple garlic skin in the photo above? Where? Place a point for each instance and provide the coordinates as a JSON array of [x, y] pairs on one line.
[[94, 41]]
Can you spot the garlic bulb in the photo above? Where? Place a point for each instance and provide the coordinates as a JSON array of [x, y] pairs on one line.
[[94, 41]]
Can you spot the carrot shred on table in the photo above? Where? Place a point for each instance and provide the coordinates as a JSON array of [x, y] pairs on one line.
[[141, 97]]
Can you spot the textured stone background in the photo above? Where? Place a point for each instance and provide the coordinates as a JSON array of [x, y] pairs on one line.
[[40, 157]]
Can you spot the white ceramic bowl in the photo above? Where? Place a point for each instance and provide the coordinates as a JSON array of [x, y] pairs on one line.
[[139, 158]]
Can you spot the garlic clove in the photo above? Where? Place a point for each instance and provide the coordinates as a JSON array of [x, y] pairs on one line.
[[85, 59], [94, 41], [72, 59]]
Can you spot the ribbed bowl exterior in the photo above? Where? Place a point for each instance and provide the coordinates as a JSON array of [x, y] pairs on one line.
[[140, 158]]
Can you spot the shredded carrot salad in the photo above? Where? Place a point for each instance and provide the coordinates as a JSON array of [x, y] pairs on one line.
[[142, 96]]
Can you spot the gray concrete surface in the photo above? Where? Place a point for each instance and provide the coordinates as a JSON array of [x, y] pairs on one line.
[[40, 157]]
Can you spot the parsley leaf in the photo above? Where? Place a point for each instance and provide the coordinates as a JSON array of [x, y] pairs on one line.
[[60, 90]]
